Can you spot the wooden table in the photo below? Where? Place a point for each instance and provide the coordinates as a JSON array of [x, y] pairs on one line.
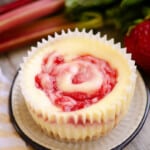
[[9, 62]]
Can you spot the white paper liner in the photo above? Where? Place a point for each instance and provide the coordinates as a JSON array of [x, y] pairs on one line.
[[118, 135]]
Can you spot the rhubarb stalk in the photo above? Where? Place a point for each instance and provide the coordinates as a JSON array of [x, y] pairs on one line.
[[41, 28], [13, 5], [31, 32], [28, 13]]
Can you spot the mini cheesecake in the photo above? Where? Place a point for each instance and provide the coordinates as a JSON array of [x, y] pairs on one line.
[[77, 86]]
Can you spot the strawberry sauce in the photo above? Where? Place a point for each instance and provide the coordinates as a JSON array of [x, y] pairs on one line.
[[76, 83]]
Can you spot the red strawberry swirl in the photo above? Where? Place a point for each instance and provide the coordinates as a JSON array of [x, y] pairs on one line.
[[75, 83]]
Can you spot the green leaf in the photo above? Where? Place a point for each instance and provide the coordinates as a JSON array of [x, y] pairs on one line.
[[86, 3], [75, 5], [130, 2]]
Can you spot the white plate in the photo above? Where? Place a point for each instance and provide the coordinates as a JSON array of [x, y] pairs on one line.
[[118, 138]]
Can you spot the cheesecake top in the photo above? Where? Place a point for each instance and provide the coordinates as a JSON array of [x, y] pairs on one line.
[[76, 73]]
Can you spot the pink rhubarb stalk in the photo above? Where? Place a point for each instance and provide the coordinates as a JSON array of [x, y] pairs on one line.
[[32, 32], [12, 5], [28, 13]]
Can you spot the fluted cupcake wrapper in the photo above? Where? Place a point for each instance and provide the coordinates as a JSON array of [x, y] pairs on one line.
[[94, 121]]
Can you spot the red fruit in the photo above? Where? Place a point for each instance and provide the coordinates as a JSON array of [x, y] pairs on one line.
[[138, 43]]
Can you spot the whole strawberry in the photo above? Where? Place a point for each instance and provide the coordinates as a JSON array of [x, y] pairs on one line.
[[138, 43]]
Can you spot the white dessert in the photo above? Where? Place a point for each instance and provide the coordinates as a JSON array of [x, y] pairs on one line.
[[95, 119]]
